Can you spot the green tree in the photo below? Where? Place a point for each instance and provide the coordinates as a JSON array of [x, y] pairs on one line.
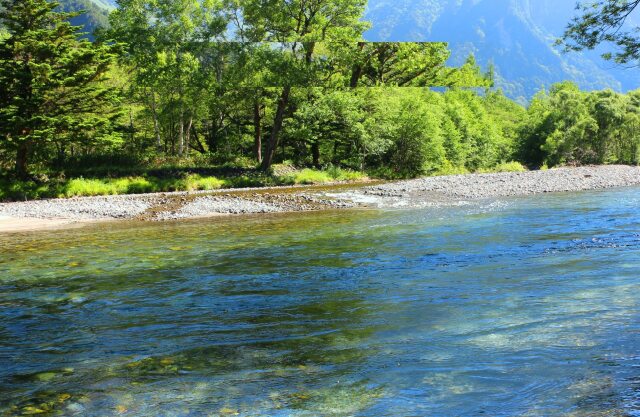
[[629, 142], [328, 127], [49, 81], [537, 125], [171, 47], [482, 141], [570, 139], [418, 144], [609, 110], [298, 25]]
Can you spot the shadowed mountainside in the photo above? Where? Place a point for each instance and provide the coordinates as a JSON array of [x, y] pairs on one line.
[[516, 36]]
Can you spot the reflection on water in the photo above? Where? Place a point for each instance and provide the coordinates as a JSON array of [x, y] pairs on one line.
[[523, 307]]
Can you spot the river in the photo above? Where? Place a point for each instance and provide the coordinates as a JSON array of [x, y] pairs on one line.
[[514, 307]]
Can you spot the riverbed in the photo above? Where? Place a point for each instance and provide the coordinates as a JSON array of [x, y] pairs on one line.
[[514, 306]]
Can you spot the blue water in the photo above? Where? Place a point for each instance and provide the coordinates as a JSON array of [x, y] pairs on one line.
[[518, 307]]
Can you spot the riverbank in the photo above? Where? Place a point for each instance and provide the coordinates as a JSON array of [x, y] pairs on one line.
[[458, 189], [431, 191], [51, 213]]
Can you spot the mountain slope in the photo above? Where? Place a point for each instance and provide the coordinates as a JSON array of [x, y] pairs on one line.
[[517, 36], [96, 14]]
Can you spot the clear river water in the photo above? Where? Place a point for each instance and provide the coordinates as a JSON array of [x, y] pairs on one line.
[[516, 307]]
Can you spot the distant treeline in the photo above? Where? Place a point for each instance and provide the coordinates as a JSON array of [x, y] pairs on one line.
[[251, 82]]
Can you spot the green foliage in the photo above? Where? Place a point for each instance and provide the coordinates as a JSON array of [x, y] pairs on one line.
[[309, 176], [11, 190], [414, 132], [569, 126], [88, 187]]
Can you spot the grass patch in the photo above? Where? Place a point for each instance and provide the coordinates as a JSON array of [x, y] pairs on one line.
[[88, 187], [81, 187], [206, 184], [505, 167], [449, 169], [140, 184], [339, 174], [312, 176]]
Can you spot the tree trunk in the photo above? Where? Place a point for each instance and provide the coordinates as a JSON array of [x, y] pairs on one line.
[[277, 127], [132, 128], [21, 160], [201, 148], [181, 133], [173, 137], [257, 132], [315, 152], [188, 137], [356, 72], [156, 125]]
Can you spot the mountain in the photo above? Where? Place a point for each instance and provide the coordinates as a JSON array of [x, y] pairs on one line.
[[516, 36], [96, 13]]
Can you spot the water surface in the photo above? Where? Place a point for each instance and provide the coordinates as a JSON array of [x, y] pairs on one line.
[[518, 307]]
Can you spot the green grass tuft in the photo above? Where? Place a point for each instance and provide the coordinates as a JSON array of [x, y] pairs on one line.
[[449, 169], [88, 187], [505, 167], [311, 176], [198, 183]]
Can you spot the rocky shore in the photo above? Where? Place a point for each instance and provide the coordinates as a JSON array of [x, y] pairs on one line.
[[411, 193], [460, 188], [168, 206]]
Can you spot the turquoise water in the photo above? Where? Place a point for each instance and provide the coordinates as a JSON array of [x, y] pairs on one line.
[[521, 307]]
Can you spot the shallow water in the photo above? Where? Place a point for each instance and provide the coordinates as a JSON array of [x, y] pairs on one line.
[[520, 307]]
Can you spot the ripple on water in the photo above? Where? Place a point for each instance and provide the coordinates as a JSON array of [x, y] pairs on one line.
[[524, 306]]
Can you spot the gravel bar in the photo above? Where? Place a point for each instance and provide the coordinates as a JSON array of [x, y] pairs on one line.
[[460, 188], [410, 193]]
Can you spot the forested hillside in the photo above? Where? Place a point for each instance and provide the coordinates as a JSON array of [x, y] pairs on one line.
[[96, 13], [517, 36]]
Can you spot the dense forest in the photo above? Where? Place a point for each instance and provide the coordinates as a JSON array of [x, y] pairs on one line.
[[188, 87]]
